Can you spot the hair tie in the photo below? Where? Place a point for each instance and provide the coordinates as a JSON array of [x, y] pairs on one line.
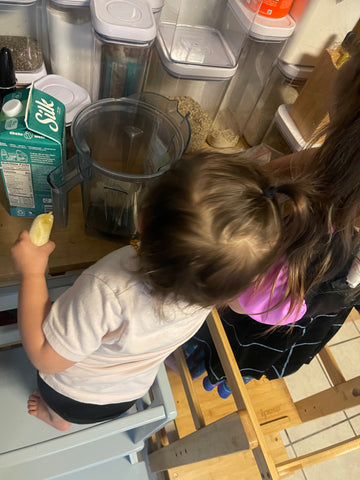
[[270, 192]]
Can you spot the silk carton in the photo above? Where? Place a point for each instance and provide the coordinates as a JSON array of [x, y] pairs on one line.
[[32, 144]]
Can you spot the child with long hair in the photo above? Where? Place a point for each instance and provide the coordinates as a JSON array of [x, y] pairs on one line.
[[284, 320], [209, 226]]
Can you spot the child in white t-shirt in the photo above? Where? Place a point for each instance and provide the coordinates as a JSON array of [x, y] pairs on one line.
[[208, 228]]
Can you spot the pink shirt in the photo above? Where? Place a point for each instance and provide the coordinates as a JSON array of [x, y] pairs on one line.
[[256, 300]]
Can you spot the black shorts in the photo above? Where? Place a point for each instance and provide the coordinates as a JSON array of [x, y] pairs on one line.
[[78, 412]]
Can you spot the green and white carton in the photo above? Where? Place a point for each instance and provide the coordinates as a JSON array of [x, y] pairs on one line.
[[32, 144]]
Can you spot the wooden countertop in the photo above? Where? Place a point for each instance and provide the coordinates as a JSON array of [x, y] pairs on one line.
[[74, 248]]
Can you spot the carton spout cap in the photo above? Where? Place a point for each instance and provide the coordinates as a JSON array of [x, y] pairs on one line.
[[12, 108]]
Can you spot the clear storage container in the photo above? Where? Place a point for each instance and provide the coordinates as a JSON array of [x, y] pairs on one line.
[[283, 135], [197, 48], [20, 31], [278, 90], [124, 34], [266, 38], [71, 40]]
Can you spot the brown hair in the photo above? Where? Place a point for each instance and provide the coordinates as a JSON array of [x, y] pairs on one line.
[[209, 229], [333, 180]]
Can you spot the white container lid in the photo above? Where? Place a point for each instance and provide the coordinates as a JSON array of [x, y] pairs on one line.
[[294, 72], [72, 3], [156, 5], [69, 93], [190, 52], [289, 130], [260, 27], [25, 78], [18, 2], [124, 20]]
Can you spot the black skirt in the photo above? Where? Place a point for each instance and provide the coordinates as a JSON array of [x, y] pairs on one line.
[[283, 350]]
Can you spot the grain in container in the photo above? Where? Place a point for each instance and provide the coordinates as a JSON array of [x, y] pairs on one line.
[[124, 34], [265, 41], [194, 59], [20, 31], [70, 40]]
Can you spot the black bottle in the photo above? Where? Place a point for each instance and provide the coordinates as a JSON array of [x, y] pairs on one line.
[[7, 74]]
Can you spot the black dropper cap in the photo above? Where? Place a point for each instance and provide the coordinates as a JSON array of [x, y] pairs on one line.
[[7, 73]]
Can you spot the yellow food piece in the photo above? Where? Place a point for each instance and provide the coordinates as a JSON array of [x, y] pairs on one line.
[[41, 228]]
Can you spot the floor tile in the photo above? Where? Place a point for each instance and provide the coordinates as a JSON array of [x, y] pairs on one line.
[[308, 380], [346, 466], [347, 332], [299, 474], [347, 356], [353, 411], [355, 422], [353, 315], [321, 425], [357, 324], [323, 439], [285, 438]]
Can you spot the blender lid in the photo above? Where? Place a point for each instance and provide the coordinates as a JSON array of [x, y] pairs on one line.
[[69, 93], [260, 27], [124, 20], [199, 53]]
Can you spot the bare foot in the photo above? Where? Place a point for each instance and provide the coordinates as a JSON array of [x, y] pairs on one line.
[[38, 408]]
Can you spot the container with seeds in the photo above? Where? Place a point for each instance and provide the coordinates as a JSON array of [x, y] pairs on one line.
[[265, 39], [20, 31], [195, 56]]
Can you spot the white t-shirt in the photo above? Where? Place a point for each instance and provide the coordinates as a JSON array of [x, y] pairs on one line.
[[115, 332]]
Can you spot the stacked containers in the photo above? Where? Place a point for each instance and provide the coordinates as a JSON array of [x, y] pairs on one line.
[[266, 38], [124, 34], [20, 31], [71, 40], [197, 48]]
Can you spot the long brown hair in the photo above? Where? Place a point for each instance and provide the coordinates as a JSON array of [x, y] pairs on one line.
[[210, 230], [333, 179]]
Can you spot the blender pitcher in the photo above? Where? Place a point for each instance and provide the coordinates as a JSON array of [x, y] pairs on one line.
[[121, 144]]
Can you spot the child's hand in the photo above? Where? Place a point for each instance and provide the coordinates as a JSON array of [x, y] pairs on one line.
[[28, 258]]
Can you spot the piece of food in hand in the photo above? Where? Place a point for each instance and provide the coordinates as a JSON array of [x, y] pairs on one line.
[[41, 228]]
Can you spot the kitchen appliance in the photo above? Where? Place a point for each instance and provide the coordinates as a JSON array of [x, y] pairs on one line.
[[121, 144]]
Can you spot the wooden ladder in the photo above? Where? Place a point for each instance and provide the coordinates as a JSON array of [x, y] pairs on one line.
[[241, 430]]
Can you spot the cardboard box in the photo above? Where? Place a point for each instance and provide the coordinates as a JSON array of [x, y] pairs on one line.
[[32, 144]]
